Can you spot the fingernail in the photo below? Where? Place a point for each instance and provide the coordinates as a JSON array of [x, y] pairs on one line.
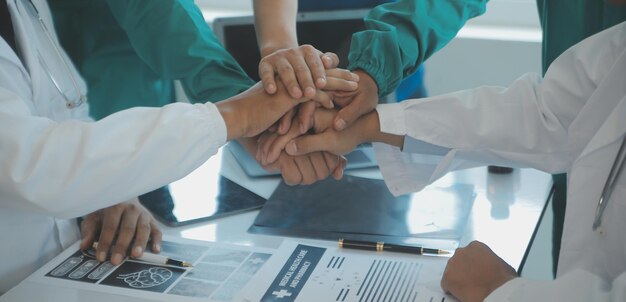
[[102, 256], [355, 77], [137, 251], [302, 129], [310, 91], [291, 148], [321, 82], [156, 247], [296, 92], [340, 124], [271, 88], [116, 258]]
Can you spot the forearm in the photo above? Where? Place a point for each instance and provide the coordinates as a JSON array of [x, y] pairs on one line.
[[275, 25]]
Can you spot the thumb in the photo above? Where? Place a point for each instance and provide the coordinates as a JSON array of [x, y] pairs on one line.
[[347, 115]]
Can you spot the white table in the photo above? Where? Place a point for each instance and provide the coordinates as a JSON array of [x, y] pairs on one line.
[[505, 214]]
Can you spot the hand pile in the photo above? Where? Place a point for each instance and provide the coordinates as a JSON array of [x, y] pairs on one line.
[[308, 142]]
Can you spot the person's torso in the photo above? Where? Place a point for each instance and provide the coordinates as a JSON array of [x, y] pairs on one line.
[[116, 75], [34, 238], [567, 22]]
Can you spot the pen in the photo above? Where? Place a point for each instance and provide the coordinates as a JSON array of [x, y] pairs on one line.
[[381, 246], [157, 259]]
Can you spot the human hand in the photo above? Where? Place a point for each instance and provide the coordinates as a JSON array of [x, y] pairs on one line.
[[305, 169], [121, 224], [323, 137], [253, 111], [298, 68], [356, 103], [308, 168], [339, 81], [474, 272]]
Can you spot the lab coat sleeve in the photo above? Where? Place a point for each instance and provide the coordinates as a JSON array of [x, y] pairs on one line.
[[403, 34], [575, 286], [544, 124], [71, 168], [172, 37]]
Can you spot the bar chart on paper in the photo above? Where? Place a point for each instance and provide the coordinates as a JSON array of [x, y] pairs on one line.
[[310, 273]]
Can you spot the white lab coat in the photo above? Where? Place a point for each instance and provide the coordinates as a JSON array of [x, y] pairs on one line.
[[572, 121], [57, 164]]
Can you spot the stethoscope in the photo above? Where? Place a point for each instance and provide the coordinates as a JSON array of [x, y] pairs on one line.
[[609, 185], [69, 102]]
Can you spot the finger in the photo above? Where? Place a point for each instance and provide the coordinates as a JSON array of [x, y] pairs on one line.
[[303, 75], [341, 84], [261, 141], [338, 172], [342, 74], [289, 170], [266, 149], [305, 117], [288, 77], [110, 225], [156, 235], [313, 60], [306, 169], [279, 143], [89, 229], [347, 115], [285, 121], [320, 166], [307, 144], [324, 97], [330, 60], [126, 233], [266, 73], [142, 234]]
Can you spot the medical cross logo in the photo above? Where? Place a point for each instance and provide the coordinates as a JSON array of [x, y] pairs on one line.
[[281, 294]]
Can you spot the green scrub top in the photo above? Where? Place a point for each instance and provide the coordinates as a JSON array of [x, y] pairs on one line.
[[130, 52], [567, 22], [401, 35]]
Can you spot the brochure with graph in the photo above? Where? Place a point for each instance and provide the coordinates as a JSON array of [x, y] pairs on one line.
[[303, 272], [219, 272]]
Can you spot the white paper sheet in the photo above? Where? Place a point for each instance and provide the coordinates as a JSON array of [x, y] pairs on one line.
[[219, 272], [302, 272]]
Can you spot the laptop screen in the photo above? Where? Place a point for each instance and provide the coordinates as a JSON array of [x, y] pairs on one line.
[[327, 31]]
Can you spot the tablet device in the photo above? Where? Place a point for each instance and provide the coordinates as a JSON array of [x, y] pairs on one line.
[[202, 195], [362, 157]]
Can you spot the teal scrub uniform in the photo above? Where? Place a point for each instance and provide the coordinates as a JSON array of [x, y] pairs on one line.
[[403, 34], [130, 52]]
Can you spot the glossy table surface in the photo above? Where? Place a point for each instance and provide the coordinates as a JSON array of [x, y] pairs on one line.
[[504, 215]]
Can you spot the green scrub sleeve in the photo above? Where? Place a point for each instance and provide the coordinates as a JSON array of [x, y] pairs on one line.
[[191, 54], [400, 35]]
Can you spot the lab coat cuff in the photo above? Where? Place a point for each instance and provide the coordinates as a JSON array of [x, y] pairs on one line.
[[217, 122], [391, 118], [507, 290]]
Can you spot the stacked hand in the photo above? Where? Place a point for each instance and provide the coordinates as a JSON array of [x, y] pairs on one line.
[[305, 72]]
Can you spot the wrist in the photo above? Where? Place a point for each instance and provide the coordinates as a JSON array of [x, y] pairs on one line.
[[271, 47], [234, 127]]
